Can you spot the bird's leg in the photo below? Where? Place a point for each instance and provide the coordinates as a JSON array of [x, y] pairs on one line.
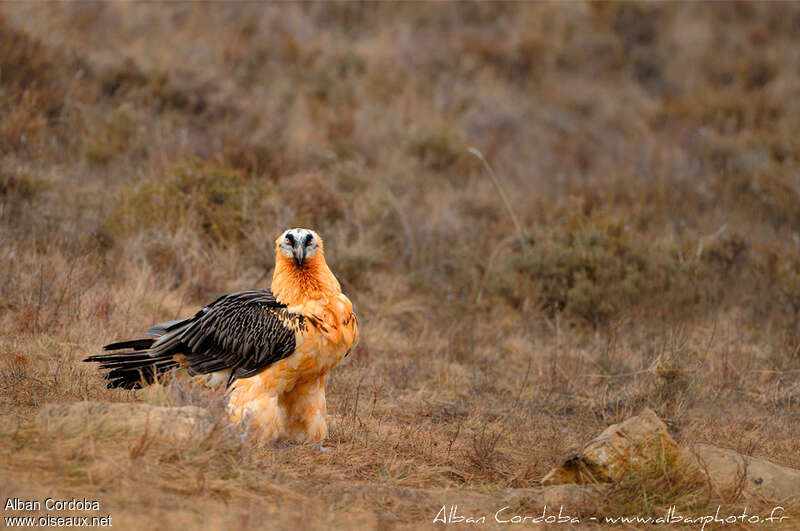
[[261, 412], [306, 411]]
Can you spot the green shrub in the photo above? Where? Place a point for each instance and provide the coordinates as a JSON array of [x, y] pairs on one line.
[[18, 192], [593, 271], [111, 139], [437, 149], [214, 201]]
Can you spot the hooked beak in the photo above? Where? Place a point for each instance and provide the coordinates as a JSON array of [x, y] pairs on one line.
[[299, 253]]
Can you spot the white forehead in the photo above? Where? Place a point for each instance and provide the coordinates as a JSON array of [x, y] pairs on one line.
[[300, 233]]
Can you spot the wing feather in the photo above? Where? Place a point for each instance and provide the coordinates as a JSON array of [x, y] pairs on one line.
[[245, 332]]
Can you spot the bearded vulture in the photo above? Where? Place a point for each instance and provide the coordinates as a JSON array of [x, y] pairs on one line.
[[273, 346]]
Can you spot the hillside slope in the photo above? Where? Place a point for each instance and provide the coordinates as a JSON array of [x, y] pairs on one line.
[[151, 153]]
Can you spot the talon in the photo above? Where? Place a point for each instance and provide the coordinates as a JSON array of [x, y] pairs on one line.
[[320, 448]]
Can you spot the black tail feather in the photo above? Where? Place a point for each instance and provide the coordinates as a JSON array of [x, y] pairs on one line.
[[135, 368], [166, 327], [135, 344], [138, 377]]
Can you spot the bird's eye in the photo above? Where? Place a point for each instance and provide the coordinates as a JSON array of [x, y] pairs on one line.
[[309, 240], [289, 239]]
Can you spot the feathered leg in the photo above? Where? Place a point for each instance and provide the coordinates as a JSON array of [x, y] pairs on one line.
[[259, 409], [306, 411]]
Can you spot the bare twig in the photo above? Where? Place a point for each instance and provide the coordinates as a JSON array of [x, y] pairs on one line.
[[520, 232], [39, 302], [57, 307], [453, 438]]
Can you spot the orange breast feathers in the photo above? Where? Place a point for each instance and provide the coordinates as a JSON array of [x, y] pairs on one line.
[[313, 291]]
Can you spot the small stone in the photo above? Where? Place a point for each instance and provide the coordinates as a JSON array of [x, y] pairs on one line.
[[644, 439], [632, 443]]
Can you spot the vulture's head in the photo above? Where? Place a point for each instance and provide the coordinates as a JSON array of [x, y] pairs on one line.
[[299, 245]]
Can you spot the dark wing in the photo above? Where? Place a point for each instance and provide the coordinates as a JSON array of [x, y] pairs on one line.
[[244, 332]]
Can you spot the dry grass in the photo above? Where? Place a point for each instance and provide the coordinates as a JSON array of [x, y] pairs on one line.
[[649, 151]]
